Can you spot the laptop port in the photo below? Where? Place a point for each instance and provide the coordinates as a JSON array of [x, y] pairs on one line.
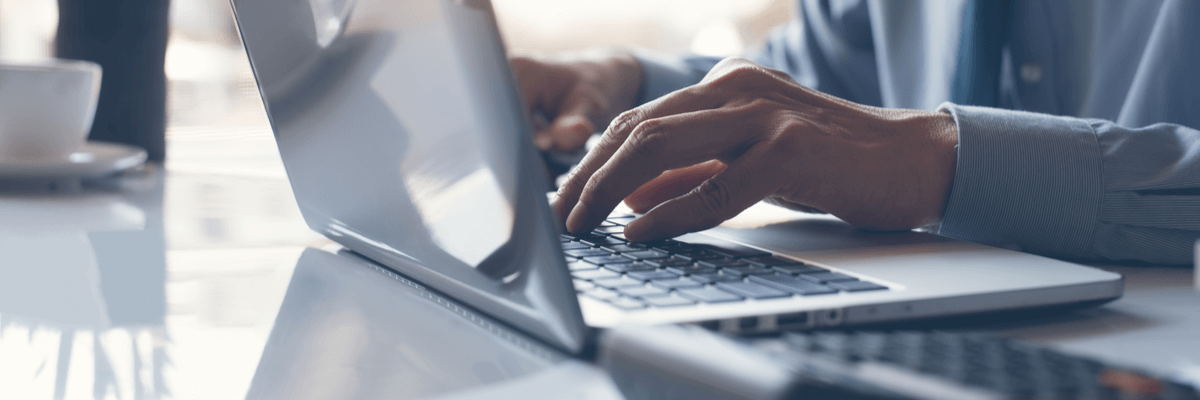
[[748, 323], [830, 317], [796, 320], [710, 325]]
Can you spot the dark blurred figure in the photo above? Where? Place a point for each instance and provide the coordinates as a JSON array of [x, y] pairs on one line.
[[129, 39]]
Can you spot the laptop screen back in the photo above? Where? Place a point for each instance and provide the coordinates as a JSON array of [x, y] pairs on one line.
[[404, 139]]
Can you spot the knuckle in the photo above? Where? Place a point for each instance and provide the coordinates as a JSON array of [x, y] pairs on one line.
[[740, 75], [648, 140], [732, 62], [625, 120], [715, 196]]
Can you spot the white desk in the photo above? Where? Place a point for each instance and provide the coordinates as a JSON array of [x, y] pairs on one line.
[[169, 284]]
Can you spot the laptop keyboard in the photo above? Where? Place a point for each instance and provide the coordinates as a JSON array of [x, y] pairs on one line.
[[672, 273], [997, 366]]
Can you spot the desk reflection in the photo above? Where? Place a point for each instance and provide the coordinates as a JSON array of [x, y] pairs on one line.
[[82, 299], [349, 329]]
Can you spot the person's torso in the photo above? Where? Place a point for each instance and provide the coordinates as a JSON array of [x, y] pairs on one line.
[[1134, 63]]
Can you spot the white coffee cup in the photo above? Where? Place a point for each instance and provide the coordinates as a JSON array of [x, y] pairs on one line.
[[46, 108]]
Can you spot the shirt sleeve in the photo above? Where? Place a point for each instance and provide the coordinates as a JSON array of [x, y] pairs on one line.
[[1075, 188], [830, 48]]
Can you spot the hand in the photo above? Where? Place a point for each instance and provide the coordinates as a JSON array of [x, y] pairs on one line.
[[578, 94], [746, 133]]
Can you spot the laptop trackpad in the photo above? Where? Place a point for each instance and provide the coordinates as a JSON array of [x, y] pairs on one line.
[[799, 233]]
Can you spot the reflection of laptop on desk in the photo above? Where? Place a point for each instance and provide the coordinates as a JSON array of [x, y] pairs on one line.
[[405, 140]]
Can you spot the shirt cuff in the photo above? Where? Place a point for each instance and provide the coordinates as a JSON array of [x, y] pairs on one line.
[[1030, 182], [663, 74]]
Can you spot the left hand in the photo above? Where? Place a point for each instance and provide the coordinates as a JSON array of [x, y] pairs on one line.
[[746, 133]]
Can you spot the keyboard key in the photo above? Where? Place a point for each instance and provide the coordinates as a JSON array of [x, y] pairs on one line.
[[678, 283], [670, 246], [610, 229], [646, 254], [580, 266], [643, 291], [721, 262], [670, 262], [714, 278], [824, 277], [609, 259], [617, 283], [692, 269], [582, 285], [602, 241], [586, 253], [799, 269], [651, 275], [732, 249], [751, 290], [668, 301], [708, 295], [771, 261], [792, 284], [624, 247], [601, 294], [747, 270], [575, 246], [856, 286], [565, 238], [696, 254], [626, 303], [594, 274], [628, 267], [621, 220]]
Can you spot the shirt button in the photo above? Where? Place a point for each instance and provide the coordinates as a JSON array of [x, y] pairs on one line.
[[1031, 73]]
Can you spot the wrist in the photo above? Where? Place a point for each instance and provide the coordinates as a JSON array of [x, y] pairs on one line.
[[943, 157]]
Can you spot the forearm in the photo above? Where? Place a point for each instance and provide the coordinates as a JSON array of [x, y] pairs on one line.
[[1075, 188]]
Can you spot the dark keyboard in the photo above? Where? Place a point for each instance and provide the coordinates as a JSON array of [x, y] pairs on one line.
[[687, 362], [988, 363], [672, 273]]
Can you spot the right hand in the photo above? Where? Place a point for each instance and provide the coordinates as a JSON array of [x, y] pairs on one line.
[[577, 95]]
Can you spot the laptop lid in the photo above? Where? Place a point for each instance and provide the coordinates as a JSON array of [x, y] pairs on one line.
[[404, 139]]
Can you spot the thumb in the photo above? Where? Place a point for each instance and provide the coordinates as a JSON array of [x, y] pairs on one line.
[[571, 132], [573, 125]]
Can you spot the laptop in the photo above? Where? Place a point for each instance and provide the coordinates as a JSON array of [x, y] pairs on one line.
[[405, 140]]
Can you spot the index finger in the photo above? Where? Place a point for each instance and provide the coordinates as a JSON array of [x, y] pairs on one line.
[[655, 146], [683, 100]]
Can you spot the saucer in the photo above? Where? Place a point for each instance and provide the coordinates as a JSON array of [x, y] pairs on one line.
[[90, 160]]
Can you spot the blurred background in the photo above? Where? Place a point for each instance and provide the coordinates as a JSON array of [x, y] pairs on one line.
[[211, 82], [226, 216]]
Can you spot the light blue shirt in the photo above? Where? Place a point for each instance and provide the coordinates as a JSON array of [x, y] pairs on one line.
[[1095, 152]]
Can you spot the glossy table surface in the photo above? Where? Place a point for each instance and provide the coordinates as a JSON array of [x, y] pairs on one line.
[[199, 280]]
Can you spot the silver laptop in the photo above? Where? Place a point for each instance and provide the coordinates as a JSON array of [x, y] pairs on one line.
[[405, 140]]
